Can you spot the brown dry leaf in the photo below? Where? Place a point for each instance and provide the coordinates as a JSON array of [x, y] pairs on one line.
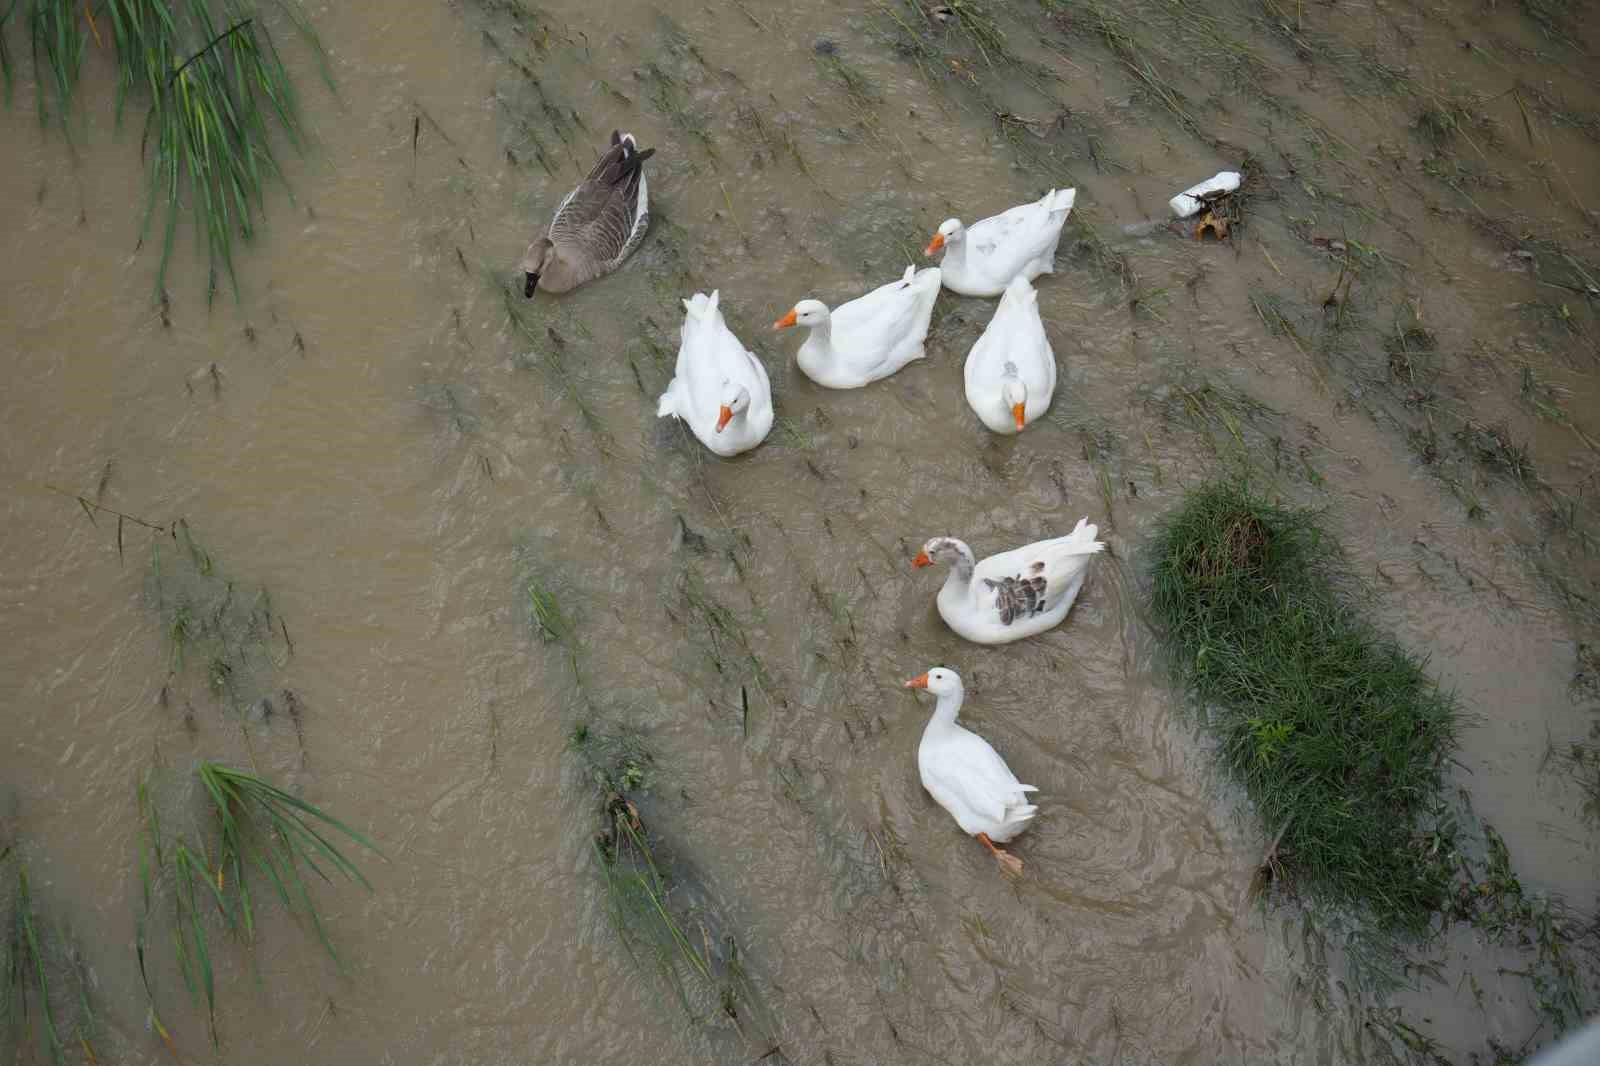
[[1217, 224]]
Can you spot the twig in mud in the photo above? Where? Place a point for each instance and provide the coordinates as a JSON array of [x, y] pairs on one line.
[[745, 240], [1268, 870], [423, 112], [218, 39], [89, 507], [883, 859], [745, 11]]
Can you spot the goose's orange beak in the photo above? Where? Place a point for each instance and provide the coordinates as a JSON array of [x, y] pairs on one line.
[[786, 321], [1017, 413], [918, 682], [724, 416], [921, 560], [934, 245]]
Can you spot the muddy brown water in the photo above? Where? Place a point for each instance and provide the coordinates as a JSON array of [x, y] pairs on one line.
[[396, 474]]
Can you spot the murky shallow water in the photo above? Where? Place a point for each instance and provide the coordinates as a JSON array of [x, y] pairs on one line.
[[396, 482]]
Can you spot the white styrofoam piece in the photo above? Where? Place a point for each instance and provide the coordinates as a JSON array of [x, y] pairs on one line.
[[1192, 199]]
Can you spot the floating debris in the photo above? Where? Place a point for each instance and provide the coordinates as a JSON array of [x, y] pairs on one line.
[[1213, 223], [1191, 200]]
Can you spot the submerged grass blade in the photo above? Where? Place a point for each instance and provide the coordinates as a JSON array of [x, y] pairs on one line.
[[84, 1026], [548, 618], [5, 49], [57, 43], [649, 909], [30, 941], [194, 954]]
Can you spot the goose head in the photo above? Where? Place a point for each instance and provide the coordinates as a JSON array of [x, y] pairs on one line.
[[735, 401], [1015, 395], [939, 681], [940, 550], [540, 254], [950, 231], [804, 313]]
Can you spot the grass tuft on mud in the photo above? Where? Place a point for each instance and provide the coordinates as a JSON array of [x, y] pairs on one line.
[[1336, 733]]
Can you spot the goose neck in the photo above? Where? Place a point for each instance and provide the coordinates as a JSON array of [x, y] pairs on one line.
[[946, 710], [955, 252], [961, 569], [817, 349]]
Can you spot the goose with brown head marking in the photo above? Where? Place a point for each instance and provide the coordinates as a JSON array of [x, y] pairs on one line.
[[597, 225], [966, 776], [1014, 594]]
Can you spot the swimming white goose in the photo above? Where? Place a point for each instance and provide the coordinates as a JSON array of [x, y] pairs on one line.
[[597, 226], [719, 388], [868, 338], [1014, 594], [981, 259], [1011, 372], [966, 776]]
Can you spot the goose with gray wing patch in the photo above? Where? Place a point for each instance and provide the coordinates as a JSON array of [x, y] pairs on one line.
[[1015, 594]]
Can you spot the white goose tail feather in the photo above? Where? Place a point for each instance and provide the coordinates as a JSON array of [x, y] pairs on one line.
[[1019, 816], [665, 406], [1060, 200], [1020, 293], [1081, 541], [701, 306]]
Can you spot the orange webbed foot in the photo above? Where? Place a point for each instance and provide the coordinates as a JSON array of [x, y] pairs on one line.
[[1010, 865]]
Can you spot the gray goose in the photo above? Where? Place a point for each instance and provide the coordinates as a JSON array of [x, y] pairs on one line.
[[597, 226]]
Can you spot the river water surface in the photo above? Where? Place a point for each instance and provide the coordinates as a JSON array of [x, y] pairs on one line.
[[368, 436]]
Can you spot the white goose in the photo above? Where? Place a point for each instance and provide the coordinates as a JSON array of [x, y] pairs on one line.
[[1014, 594], [868, 338], [981, 259], [966, 776], [719, 388], [1011, 372]]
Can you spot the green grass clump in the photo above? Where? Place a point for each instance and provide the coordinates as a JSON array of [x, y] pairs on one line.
[[1338, 736], [216, 91], [260, 833]]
